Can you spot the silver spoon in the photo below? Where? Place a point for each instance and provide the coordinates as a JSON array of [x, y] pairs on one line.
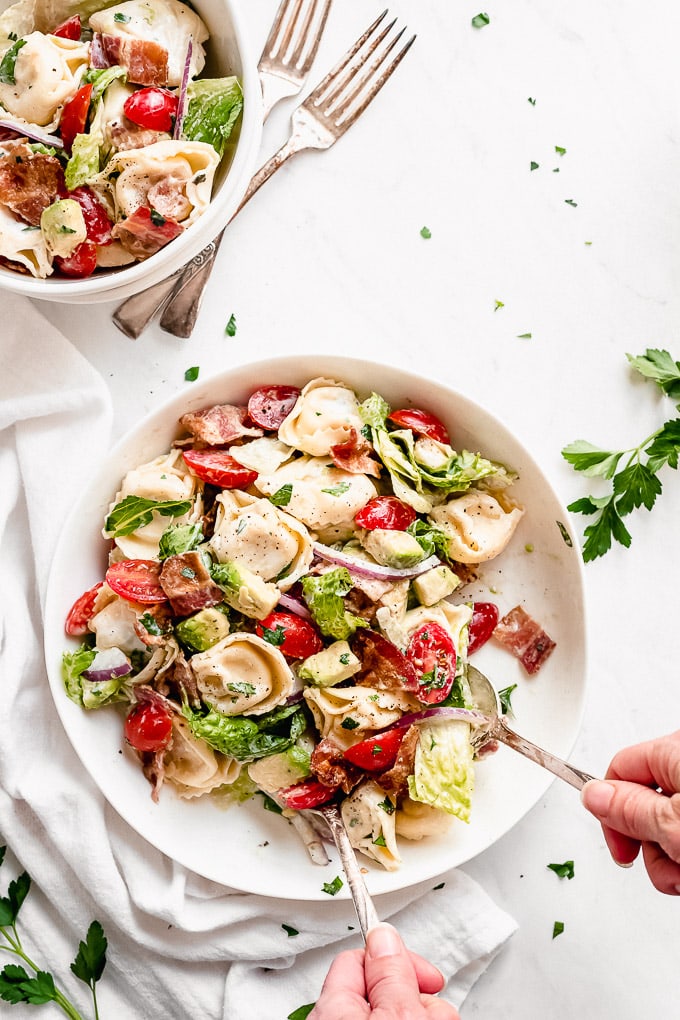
[[486, 701]]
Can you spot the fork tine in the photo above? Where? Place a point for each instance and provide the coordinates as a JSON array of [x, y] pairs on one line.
[[363, 79], [271, 41], [353, 71], [305, 35], [316, 96], [345, 121], [285, 40]]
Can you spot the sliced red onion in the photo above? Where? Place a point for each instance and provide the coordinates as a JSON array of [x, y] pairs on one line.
[[375, 570], [32, 132], [294, 605], [443, 712], [182, 97], [295, 697], [110, 664], [98, 58]]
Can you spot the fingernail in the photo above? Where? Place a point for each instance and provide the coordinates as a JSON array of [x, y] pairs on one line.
[[383, 941], [623, 864], [597, 796]]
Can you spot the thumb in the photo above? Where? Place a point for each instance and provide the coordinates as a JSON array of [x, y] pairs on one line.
[[391, 981]]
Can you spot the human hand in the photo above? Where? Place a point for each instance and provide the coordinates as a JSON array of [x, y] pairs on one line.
[[385, 981], [635, 814]]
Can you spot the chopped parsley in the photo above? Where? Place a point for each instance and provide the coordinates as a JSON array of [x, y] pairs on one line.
[[533, 165], [566, 537], [274, 635], [532, 101], [191, 374], [480, 20], [188, 572], [156, 218], [524, 336], [119, 17], [269, 804], [8, 63], [376, 749], [426, 233], [334, 887], [290, 931], [230, 328], [499, 304], [440, 886], [565, 870], [302, 1012], [505, 697], [570, 201], [150, 624], [558, 928], [242, 688], [349, 723], [344, 658], [379, 841], [387, 806], [282, 496], [339, 489], [560, 150]]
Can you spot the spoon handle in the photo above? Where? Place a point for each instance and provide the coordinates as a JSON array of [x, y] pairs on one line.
[[562, 769], [363, 904]]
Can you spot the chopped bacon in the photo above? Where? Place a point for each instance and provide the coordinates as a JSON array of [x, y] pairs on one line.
[[525, 638], [217, 425], [167, 197], [354, 456], [332, 769], [29, 182], [395, 780], [383, 665], [153, 767], [145, 61], [180, 681], [126, 135], [145, 232], [187, 583]]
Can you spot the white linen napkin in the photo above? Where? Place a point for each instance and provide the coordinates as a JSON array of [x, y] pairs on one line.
[[179, 945]]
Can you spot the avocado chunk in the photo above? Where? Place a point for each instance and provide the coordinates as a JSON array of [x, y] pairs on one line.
[[63, 227], [434, 585], [277, 771], [245, 591], [204, 629], [331, 666], [392, 548]]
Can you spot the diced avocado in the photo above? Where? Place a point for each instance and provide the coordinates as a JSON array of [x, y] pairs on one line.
[[277, 771], [331, 666], [435, 585], [392, 548], [63, 227], [245, 591], [204, 629]]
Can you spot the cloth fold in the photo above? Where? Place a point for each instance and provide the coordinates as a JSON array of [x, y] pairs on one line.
[[179, 945]]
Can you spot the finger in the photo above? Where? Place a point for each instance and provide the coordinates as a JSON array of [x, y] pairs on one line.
[[651, 763], [623, 849], [343, 996], [637, 812], [430, 979], [664, 873], [391, 980], [438, 1009]]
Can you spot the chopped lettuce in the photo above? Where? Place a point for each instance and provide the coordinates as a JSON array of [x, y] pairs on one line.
[[246, 738], [8, 63], [88, 693], [324, 595], [374, 411], [101, 78], [214, 106], [433, 540], [443, 769], [84, 161]]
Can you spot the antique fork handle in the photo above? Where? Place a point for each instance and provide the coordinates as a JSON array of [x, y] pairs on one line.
[[562, 769], [367, 915], [134, 314]]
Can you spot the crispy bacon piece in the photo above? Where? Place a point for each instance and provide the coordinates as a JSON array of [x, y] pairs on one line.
[[145, 232], [153, 767], [330, 767], [354, 456], [188, 585], [158, 620], [395, 780], [126, 135], [218, 425], [29, 182], [383, 665], [525, 638], [145, 61]]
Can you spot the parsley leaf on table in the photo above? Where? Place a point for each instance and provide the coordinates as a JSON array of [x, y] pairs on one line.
[[565, 870]]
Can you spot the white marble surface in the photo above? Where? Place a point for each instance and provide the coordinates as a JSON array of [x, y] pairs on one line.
[[329, 257]]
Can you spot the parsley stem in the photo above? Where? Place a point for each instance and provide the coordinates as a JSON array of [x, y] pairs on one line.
[[15, 947]]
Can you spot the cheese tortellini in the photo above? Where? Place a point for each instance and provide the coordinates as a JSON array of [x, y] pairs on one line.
[[370, 827], [242, 674], [415, 820], [58, 65], [323, 416], [476, 525], [361, 709], [192, 766], [22, 244]]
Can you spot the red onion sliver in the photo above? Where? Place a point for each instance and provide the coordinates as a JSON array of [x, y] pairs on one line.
[[294, 605], [445, 712], [32, 132], [375, 570], [108, 664], [182, 97]]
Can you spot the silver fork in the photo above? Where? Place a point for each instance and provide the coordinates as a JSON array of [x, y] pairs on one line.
[[323, 118], [286, 60]]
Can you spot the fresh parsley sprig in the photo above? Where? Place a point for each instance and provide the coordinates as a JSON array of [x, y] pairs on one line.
[[37, 988], [633, 473]]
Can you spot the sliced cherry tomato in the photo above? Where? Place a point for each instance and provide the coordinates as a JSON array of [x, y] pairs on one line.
[[386, 512], [307, 794], [421, 422], [80, 613], [152, 108], [377, 753], [482, 624], [69, 29], [270, 405], [217, 467], [137, 581], [74, 115], [81, 262], [295, 637], [433, 653], [148, 727], [97, 222]]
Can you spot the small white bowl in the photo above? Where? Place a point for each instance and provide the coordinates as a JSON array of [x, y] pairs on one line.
[[228, 52]]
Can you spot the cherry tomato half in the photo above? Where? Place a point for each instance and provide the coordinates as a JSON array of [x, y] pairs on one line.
[[69, 29], [74, 115], [421, 422], [307, 794], [269, 405], [80, 613], [377, 753], [295, 637], [385, 512], [152, 108], [148, 727], [433, 653], [81, 262], [482, 624], [97, 222], [217, 467], [137, 581]]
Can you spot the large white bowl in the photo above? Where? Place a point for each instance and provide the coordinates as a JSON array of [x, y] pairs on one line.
[[247, 847], [228, 52]]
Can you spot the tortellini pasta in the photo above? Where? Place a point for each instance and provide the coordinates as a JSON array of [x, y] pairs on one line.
[[323, 416], [58, 64], [113, 622], [476, 525], [264, 455], [322, 496], [192, 766], [242, 674], [414, 820], [164, 478], [370, 827], [364, 708], [255, 534], [22, 244]]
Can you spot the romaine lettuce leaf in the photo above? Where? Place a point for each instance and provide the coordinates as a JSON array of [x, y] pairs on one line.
[[443, 770], [87, 693], [324, 596], [213, 108], [84, 161], [179, 538], [246, 738]]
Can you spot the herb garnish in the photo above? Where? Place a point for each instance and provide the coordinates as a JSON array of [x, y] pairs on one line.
[[533, 165], [504, 697], [426, 233], [230, 328], [480, 20], [387, 806], [290, 931], [558, 928], [302, 1012], [565, 870], [332, 887], [118, 16], [379, 840], [570, 201], [8, 63], [282, 496], [274, 635], [349, 723], [338, 490], [344, 658], [524, 336], [135, 511], [191, 374]]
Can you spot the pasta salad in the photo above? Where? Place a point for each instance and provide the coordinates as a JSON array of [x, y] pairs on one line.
[[283, 611]]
